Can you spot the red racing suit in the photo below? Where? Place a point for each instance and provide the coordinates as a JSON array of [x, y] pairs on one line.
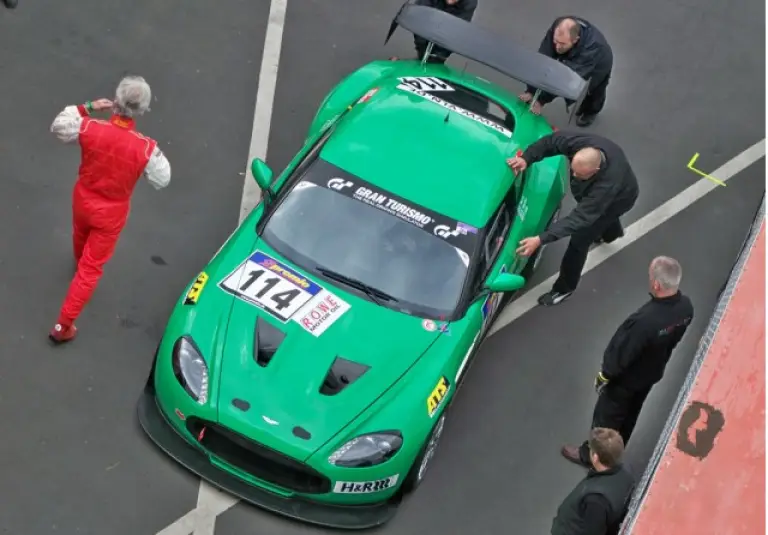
[[113, 159]]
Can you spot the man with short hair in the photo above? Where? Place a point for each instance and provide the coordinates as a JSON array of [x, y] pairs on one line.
[[464, 9], [599, 502], [605, 188], [578, 44], [638, 353], [114, 156]]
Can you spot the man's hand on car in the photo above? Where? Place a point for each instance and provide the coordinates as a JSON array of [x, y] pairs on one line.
[[517, 164], [528, 246]]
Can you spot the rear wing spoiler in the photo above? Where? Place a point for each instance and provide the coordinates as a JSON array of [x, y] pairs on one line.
[[475, 43]]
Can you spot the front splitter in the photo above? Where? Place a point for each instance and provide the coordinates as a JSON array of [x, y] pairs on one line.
[[350, 517]]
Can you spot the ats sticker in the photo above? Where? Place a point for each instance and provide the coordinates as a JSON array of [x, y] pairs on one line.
[[197, 287], [454, 108], [321, 312], [365, 487], [270, 285], [437, 396]]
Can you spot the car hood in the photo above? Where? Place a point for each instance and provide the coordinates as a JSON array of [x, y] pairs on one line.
[[293, 390]]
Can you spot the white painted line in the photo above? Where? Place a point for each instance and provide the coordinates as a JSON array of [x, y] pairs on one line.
[[212, 502], [636, 230], [265, 97]]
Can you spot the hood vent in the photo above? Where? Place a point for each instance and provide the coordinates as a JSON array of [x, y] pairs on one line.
[[343, 373], [266, 340]]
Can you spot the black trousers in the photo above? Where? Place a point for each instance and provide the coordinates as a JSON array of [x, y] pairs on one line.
[[608, 227], [437, 55], [616, 408], [595, 100]]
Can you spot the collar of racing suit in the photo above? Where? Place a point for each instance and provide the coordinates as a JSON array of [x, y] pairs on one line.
[[123, 122]]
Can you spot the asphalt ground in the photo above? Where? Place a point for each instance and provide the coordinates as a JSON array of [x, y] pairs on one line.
[[73, 459]]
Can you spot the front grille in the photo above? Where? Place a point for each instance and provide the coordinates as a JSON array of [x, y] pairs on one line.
[[258, 460]]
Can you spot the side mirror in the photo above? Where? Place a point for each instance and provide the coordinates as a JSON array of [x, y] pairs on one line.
[[506, 282], [261, 173]]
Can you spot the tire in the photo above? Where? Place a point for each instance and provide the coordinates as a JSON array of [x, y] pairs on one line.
[[424, 458]]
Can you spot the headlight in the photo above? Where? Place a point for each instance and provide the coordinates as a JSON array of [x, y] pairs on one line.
[[367, 450], [190, 369]]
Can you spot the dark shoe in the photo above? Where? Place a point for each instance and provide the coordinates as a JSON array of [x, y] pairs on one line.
[[572, 454], [552, 298], [62, 333], [585, 120], [612, 238], [11, 3]]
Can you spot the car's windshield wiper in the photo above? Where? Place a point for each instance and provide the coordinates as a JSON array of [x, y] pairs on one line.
[[374, 293]]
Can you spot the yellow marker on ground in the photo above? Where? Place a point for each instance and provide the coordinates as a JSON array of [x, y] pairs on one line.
[[705, 175]]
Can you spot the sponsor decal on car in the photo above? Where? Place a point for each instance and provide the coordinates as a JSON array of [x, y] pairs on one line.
[[456, 109], [368, 95], [435, 399], [460, 235], [426, 83], [321, 312], [365, 487], [197, 287], [444, 231], [270, 285], [399, 209], [429, 325]]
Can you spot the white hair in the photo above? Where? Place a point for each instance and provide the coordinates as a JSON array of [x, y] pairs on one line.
[[132, 96], [667, 272]]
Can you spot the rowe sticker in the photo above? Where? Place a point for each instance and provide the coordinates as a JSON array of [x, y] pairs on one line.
[[454, 108], [321, 312], [365, 487]]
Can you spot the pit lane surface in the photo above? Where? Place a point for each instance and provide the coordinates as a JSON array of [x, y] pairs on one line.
[[75, 459]]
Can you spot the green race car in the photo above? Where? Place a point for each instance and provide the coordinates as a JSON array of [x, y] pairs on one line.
[[310, 367]]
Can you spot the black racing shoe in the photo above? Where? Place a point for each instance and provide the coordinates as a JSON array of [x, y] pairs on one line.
[[553, 298], [585, 119]]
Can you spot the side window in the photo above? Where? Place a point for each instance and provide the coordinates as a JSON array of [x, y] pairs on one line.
[[495, 239]]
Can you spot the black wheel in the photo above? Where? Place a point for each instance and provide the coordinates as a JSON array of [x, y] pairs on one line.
[[533, 263], [424, 459]]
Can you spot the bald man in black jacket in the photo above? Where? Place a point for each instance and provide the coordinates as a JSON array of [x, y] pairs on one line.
[[605, 188], [464, 9], [578, 44]]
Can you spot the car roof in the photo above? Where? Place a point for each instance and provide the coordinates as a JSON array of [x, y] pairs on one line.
[[423, 152]]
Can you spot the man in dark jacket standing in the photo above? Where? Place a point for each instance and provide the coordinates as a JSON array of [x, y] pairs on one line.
[[579, 45], [598, 504], [605, 187], [464, 9], [638, 353]]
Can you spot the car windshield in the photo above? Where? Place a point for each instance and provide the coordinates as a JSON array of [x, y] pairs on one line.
[[335, 221]]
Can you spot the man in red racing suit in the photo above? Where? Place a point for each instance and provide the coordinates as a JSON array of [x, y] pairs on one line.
[[113, 159]]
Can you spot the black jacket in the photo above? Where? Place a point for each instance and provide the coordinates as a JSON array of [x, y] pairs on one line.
[[637, 355], [464, 9], [591, 57], [597, 505], [614, 184]]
